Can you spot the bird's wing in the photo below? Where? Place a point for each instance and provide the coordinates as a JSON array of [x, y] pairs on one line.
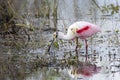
[[82, 29]]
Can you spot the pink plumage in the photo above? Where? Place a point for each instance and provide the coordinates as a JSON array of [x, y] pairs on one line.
[[88, 30], [85, 29], [80, 30]]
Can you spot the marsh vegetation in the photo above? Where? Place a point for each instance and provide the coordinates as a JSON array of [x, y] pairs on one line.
[[26, 32]]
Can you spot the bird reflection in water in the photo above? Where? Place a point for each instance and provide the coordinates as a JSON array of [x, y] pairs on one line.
[[84, 69]]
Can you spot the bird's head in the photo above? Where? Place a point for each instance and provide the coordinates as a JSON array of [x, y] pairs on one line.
[[58, 34], [55, 34]]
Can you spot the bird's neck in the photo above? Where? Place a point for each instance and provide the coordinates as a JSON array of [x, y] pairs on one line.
[[65, 36]]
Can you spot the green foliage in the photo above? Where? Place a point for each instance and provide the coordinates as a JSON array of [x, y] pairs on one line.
[[55, 44], [111, 8], [117, 30]]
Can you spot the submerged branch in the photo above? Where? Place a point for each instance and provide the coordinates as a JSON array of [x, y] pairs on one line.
[[97, 5]]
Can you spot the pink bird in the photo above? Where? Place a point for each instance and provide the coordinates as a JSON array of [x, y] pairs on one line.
[[81, 30]]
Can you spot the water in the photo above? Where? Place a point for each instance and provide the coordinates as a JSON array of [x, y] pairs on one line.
[[103, 52], [62, 64]]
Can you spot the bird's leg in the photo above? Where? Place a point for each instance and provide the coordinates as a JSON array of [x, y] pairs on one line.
[[86, 49], [76, 46]]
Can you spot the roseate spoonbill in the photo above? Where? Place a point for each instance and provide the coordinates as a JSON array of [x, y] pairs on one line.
[[80, 29]]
